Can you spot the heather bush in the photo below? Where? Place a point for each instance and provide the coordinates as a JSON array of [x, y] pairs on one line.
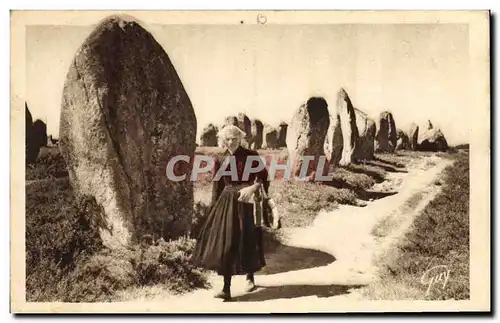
[[105, 274], [169, 263], [98, 278], [61, 229], [352, 179], [66, 261], [49, 164]]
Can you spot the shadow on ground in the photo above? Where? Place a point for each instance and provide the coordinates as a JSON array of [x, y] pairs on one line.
[[282, 258], [362, 194], [377, 177], [393, 168], [264, 293], [379, 159]]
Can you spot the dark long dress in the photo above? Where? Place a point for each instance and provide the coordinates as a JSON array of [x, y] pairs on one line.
[[229, 242]]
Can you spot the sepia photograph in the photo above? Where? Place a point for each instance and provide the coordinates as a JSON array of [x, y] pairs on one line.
[[250, 161]]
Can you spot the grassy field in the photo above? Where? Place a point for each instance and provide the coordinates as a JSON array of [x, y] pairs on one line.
[[439, 236]]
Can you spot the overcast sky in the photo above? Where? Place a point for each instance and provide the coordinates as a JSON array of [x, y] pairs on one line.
[[417, 72]]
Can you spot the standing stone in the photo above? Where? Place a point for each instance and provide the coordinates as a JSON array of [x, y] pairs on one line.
[[306, 135], [350, 134], [334, 141], [208, 137], [257, 131], [39, 133], [403, 142], [393, 133], [270, 136], [231, 121], [365, 146], [125, 114], [31, 148], [282, 134], [245, 125], [28, 118], [433, 140], [36, 138], [429, 125], [387, 137], [413, 136]]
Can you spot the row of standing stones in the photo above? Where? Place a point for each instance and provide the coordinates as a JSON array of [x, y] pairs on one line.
[[344, 135], [125, 114], [258, 135], [347, 135]]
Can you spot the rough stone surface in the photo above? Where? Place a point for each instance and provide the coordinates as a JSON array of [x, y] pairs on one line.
[[433, 140], [125, 114], [28, 118], [245, 124], [365, 146], [403, 142], [39, 133], [413, 134], [386, 137], [306, 135], [393, 133], [334, 141], [36, 137], [270, 136], [283, 126], [31, 149], [231, 121], [208, 137], [350, 134], [257, 131]]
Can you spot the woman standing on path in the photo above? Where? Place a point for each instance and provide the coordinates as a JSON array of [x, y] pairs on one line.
[[230, 241]]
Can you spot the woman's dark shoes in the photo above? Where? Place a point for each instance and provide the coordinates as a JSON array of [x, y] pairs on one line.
[[223, 294], [250, 286]]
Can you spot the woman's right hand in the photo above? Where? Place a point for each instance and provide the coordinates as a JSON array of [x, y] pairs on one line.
[[246, 194]]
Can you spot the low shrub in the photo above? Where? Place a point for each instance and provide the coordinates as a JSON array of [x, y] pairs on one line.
[[61, 229], [49, 164], [98, 277], [399, 159], [352, 179], [103, 275], [169, 263]]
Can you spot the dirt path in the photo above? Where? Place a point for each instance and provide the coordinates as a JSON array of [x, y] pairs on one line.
[[326, 263]]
